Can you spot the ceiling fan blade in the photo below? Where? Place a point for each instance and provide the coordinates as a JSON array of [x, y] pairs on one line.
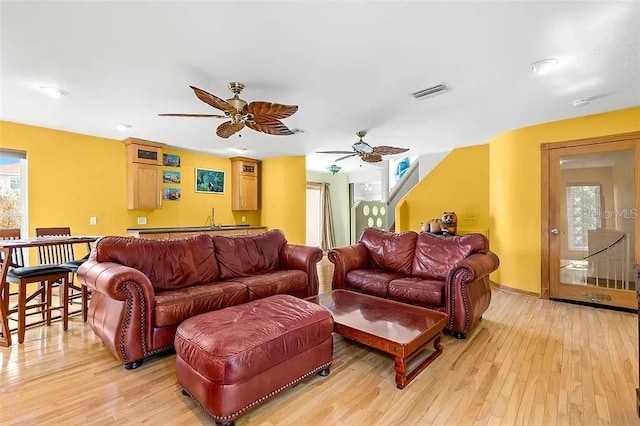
[[371, 158], [388, 150], [194, 115], [213, 100], [269, 110], [345, 157], [227, 129], [269, 126], [334, 152]]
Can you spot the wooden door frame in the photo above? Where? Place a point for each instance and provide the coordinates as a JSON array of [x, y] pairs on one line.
[[545, 150]]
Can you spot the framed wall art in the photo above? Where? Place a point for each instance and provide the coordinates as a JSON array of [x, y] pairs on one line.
[[171, 194], [209, 181], [171, 160], [169, 176]]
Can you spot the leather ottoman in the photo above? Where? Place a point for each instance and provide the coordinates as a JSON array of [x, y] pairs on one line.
[[234, 359]]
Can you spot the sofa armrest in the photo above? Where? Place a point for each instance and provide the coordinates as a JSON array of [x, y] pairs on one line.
[[476, 266], [109, 278], [467, 291], [121, 308], [347, 259], [304, 258]]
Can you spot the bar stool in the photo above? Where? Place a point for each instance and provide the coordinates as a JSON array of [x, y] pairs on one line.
[[45, 276], [62, 255]]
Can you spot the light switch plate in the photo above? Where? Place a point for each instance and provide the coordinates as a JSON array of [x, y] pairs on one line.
[[244, 219], [142, 220], [470, 216], [93, 220]]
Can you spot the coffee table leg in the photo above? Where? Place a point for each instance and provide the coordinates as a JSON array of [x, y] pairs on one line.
[[403, 379]]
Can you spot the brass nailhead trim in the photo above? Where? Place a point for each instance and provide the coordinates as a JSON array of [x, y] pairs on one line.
[[465, 300], [258, 401]]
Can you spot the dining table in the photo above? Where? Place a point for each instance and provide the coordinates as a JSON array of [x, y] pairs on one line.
[[6, 250]]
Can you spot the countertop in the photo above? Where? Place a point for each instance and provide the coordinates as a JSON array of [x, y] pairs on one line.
[[193, 229]]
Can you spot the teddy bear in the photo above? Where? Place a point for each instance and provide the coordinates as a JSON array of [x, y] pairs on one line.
[[449, 223]]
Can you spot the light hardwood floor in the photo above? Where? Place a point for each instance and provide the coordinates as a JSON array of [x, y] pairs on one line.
[[529, 361]]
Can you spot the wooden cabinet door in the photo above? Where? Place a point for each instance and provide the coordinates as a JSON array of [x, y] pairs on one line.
[[244, 185], [248, 193], [146, 190]]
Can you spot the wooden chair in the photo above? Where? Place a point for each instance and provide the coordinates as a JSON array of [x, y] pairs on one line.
[[63, 255], [45, 276]]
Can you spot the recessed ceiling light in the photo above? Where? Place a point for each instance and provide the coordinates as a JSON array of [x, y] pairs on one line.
[[54, 92], [239, 149], [124, 127], [581, 102], [544, 66]]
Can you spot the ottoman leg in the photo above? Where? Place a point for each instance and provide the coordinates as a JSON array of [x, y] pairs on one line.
[[226, 423], [184, 392], [133, 364], [324, 372]]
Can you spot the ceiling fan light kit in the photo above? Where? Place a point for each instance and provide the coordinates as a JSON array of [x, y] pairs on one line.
[[333, 169], [260, 116]]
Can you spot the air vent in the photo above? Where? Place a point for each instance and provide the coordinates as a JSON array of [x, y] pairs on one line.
[[431, 91]]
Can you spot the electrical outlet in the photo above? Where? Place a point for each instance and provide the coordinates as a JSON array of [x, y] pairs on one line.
[[142, 220], [244, 219], [470, 216], [93, 220]]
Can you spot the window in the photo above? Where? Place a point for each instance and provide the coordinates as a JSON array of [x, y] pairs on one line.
[[398, 168], [583, 213], [13, 196]]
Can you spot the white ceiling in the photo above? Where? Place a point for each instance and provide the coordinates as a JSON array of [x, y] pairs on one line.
[[348, 65]]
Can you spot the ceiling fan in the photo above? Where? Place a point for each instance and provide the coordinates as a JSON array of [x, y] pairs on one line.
[[259, 116], [368, 153]]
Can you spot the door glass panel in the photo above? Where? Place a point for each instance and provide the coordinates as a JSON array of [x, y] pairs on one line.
[[314, 211], [597, 221]]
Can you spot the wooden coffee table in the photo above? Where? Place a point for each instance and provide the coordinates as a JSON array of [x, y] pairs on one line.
[[396, 328]]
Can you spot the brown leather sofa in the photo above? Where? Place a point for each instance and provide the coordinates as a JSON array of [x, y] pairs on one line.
[[143, 289], [445, 273]]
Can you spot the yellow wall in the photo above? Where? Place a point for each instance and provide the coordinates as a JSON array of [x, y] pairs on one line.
[[459, 183], [72, 177], [284, 196], [515, 189]]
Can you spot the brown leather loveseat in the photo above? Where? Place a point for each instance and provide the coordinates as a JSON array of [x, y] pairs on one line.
[[448, 274], [143, 289]]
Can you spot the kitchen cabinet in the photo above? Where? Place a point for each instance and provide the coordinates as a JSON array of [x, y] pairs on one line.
[[144, 174], [244, 183]]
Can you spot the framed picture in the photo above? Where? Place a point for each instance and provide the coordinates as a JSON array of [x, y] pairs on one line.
[[171, 160], [210, 181], [169, 176], [171, 194]]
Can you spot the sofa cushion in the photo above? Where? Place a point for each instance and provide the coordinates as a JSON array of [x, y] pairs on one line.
[[173, 307], [390, 251], [370, 281], [241, 256], [436, 254], [414, 290], [274, 282], [169, 264]]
